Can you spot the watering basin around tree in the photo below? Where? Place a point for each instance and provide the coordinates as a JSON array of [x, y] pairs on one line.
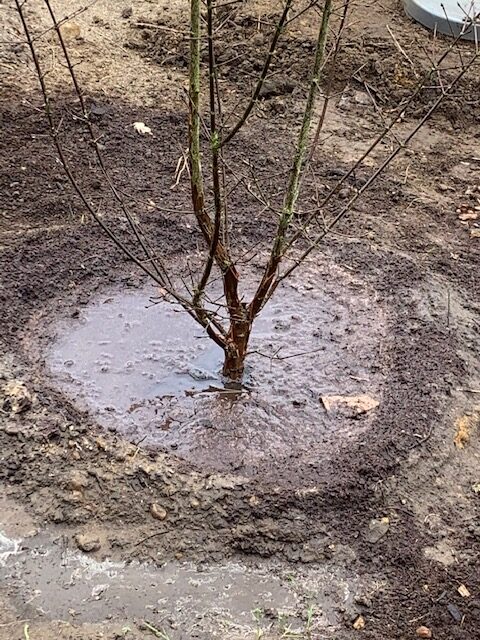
[[149, 373]]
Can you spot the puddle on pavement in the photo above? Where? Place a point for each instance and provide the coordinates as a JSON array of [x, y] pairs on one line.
[[44, 577], [146, 371]]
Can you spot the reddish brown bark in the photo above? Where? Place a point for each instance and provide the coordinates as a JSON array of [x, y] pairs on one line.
[[237, 344]]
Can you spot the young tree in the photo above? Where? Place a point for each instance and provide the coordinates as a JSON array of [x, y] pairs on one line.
[[292, 241]]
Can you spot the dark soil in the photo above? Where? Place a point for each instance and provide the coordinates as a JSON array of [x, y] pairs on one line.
[[372, 63], [411, 252]]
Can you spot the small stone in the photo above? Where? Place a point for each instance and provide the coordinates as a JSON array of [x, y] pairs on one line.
[[377, 529], [127, 12], [441, 187], [98, 591], [101, 443], [424, 632], [455, 612], [277, 86], [87, 542], [468, 215], [58, 516], [12, 429], [344, 193], [363, 601], [359, 623], [78, 481], [350, 406], [158, 512], [70, 31]]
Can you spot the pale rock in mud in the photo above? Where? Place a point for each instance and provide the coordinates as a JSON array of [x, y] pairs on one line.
[[87, 542], [158, 512], [69, 31], [377, 528], [424, 632], [359, 623], [351, 406]]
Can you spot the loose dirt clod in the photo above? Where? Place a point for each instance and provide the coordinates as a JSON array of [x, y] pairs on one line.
[[359, 623], [17, 397], [77, 480], [70, 31], [377, 529]]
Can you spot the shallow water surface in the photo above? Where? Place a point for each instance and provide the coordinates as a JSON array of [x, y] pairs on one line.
[[148, 372]]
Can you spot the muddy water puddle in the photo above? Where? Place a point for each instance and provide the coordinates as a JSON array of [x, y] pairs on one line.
[[149, 373], [45, 579]]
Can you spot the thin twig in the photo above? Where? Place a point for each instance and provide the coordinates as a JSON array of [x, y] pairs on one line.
[[348, 207], [402, 51], [263, 75], [296, 170]]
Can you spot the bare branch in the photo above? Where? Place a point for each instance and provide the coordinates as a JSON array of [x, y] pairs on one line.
[[263, 75], [296, 171], [214, 143], [160, 269], [375, 143], [348, 207]]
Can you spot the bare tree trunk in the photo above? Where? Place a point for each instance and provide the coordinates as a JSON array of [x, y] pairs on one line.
[[232, 334], [235, 351]]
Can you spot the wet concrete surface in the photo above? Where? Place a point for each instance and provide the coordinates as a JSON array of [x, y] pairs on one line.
[[148, 372]]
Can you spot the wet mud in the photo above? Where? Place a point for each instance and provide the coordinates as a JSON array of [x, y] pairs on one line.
[[175, 482], [148, 372]]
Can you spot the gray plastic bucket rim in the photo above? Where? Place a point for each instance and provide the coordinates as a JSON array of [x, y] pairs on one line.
[[449, 17]]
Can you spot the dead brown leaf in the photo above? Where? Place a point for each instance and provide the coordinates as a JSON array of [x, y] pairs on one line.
[[464, 427]]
